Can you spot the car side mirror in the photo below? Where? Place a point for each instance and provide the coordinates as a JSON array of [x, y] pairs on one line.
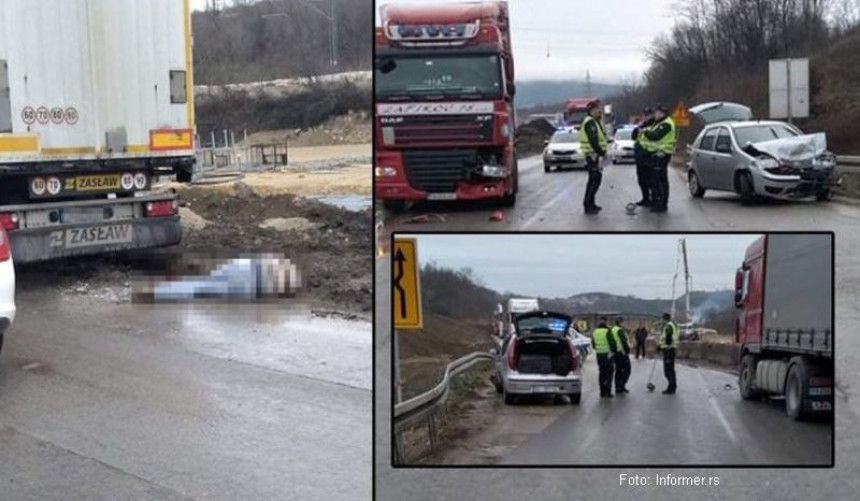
[[512, 89], [546, 142], [494, 352]]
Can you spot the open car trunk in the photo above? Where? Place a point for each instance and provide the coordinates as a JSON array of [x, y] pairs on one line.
[[543, 355]]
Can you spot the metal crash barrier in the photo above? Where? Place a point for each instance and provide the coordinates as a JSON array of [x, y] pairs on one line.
[[427, 408]]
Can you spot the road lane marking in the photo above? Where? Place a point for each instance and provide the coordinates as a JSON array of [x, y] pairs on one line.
[[530, 221], [719, 413]]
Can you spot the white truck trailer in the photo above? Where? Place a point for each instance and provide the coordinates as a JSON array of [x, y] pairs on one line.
[[96, 99], [518, 306]]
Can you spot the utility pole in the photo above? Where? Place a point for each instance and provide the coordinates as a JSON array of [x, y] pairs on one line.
[[588, 83], [787, 58], [333, 32]]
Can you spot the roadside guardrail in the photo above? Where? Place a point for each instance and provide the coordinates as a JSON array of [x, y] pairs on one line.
[[426, 408], [848, 163]]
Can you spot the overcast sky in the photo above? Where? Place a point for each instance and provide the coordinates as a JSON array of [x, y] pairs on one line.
[[607, 37], [563, 265]]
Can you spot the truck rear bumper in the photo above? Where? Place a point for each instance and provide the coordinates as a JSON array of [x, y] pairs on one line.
[[465, 191], [42, 244]]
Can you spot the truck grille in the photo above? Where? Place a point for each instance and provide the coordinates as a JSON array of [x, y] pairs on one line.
[[437, 171], [449, 129]]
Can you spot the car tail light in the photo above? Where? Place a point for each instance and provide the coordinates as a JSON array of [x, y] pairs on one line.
[[512, 353], [5, 252], [162, 208], [9, 221]]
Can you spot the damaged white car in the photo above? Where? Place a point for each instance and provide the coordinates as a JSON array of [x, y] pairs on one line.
[[761, 159]]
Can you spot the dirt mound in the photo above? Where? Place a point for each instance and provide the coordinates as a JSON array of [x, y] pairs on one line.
[[532, 135], [334, 249], [351, 128]]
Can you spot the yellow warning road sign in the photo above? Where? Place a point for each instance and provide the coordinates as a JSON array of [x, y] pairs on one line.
[[680, 115], [405, 285]]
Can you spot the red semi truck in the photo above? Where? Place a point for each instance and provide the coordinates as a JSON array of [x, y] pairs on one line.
[[784, 297], [445, 117]]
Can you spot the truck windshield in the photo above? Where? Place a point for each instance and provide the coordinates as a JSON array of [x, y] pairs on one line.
[[575, 117], [437, 77]]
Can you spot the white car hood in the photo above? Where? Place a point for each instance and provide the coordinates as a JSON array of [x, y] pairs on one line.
[[624, 143], [795, 149]]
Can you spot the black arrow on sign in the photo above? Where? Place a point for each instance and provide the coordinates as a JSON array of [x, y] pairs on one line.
[[399, 258]]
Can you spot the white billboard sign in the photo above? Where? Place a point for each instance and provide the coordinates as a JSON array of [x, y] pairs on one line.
[[789, 88]]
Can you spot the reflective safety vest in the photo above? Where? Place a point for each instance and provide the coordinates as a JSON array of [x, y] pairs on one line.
[[675, 335], [616, 333], [666, 144], [584, 143], [647, 145], [600, 340]]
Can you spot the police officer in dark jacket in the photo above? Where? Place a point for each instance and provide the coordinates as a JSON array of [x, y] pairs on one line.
[[605, 348], [668, 344], [661, 136], [643, 158], [621, 358], [593, 142]]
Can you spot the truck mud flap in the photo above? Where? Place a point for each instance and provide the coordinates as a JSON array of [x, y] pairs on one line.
[[43, 244]]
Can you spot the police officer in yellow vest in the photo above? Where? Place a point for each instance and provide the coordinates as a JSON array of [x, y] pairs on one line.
[[605, 348], [659, 142], [668, 344], [593, 141], [643, 157], [622, 357]]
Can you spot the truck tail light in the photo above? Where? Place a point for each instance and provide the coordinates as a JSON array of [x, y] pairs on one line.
[[512, 353], [9, 221], [5, 252], [162, 208]]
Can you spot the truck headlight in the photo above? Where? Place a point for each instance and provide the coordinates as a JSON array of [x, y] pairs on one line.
[[505, 130], [494, 171], [385, 171]]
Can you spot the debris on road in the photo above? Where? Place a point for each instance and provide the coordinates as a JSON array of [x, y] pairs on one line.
[[424, 218], [497, 216]]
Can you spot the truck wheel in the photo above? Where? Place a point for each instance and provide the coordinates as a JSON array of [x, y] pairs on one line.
[[575, 398], [746, 378], [746, 189], [394, 205], [696, 189], [796, 388]]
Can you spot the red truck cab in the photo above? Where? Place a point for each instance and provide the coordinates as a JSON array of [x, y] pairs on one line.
[[784, 329], [575, 110], [444, 118]]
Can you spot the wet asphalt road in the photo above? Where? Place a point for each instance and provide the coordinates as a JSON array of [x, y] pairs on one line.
[[103, 401], [553, 202], [719, 214], [706, 422]]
